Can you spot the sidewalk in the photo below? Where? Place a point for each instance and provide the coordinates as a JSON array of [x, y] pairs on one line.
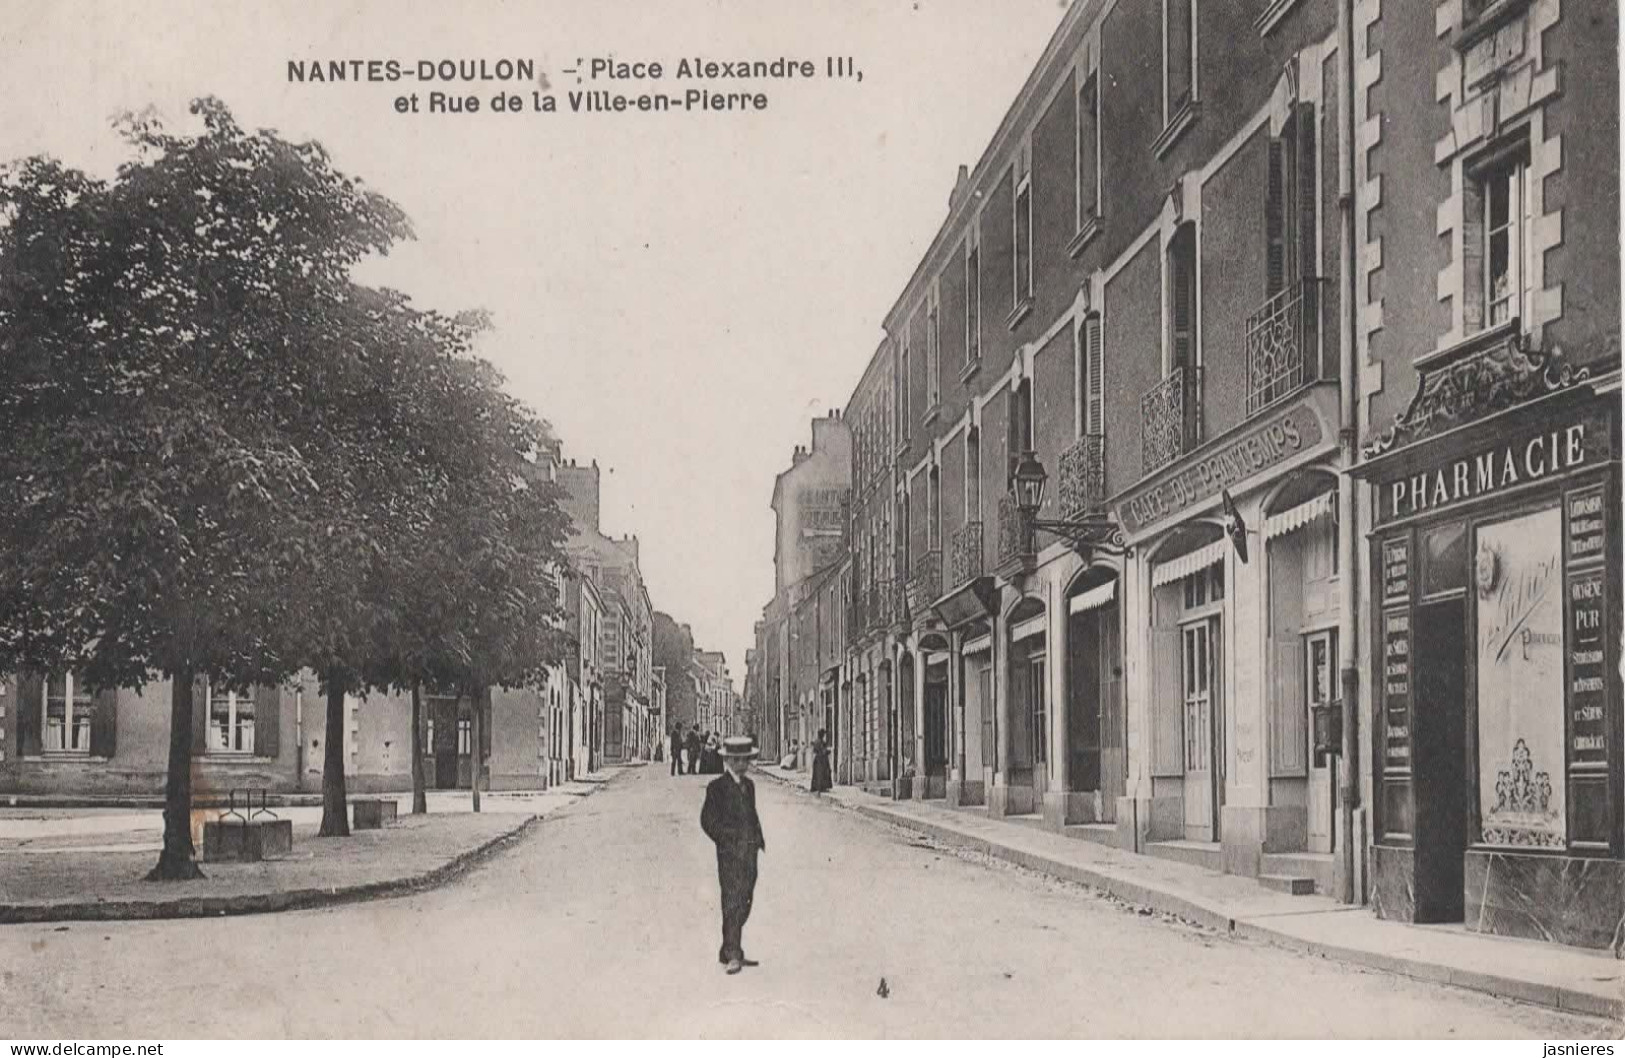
[[1550, 975], [58, 865]]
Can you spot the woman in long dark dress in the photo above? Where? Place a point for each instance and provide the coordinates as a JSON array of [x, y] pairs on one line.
[[820, 767]]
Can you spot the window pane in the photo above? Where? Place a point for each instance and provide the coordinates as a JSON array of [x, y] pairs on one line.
[[1444, 558], [1500, 200], [56, 712]]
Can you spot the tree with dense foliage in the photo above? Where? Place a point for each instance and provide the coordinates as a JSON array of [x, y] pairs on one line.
[[214, 434]]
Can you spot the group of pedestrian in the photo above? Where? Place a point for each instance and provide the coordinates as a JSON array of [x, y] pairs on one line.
[[693, 753]]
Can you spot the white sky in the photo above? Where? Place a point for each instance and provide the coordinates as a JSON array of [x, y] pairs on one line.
[[678, 294]]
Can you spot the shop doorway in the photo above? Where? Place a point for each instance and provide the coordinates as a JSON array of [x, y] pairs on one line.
[[936, 721], [1097, 761], [1439, 753], [1203, 727]]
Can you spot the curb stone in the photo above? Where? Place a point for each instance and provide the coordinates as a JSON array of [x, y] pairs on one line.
[[1553, 997], [267, 903]]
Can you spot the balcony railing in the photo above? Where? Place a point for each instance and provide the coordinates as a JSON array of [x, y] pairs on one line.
[[1083, 477], [1170, 423], [1014, 541], [1283, 345], [964, 554], [925, 580]]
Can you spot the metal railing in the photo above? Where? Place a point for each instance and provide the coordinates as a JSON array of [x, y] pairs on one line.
[[1014, 542], [965, 554], [1169, 422], [1083, 477], [1283, 345], [925, 580]]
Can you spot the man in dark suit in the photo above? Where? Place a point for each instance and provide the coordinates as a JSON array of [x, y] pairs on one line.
[[677, 749], [729, 819], [692, 744]]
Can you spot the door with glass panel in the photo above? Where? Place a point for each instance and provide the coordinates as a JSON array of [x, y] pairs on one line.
[[1198, 671]]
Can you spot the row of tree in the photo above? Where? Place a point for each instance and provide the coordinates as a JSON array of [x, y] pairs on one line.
[[226, 459]]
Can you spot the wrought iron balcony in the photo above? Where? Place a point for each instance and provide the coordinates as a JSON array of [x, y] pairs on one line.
[[1170, 420], [1015, 541], [925, 580], [1083, 477], [1283, 345], [964, 554]]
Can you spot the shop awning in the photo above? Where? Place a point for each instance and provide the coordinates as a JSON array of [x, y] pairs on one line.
[[1189, 563], [1033, 626], [1300, 516], [979, 645], [1093, 598]]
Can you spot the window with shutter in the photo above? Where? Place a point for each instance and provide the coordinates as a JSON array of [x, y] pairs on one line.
[[1182, 298], [1179, 28], [1094, 407], [1305, 171], [973, 301], [1275, 218], [1088, 151], [1022, 227]]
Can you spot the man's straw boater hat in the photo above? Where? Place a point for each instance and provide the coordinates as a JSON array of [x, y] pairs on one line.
[[739, 746]]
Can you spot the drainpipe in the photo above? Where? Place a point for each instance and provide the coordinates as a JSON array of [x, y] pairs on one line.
[[1348, 393]]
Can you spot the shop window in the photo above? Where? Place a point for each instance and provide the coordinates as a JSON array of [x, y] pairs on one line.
[[68, 705], [1197, 677], [1444, 559], [1206, 586], [231, 721], [1320, 673], [1037, 687]]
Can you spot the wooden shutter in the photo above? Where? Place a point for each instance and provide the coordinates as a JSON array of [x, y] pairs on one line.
[[1094, 414], [1183, 265], [30, 704], [485, 703], [1308, 259], [200, 714], [1275, 218], [1167, 705], [268, 720], [1288, 725], [104, 723]]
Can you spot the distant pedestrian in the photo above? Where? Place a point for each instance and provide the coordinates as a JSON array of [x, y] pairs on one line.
[[677, 749], [820, 764], [692, 744], [729, 819]]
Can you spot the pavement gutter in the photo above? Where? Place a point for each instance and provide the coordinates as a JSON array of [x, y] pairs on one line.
[[1216, 916]]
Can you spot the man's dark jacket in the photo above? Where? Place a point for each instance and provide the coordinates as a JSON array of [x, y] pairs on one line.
[[729, 816]]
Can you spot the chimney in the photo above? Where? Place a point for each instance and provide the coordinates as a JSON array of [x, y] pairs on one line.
[[960, 182]]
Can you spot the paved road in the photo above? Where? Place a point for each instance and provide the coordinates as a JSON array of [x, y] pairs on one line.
[[605, 922]]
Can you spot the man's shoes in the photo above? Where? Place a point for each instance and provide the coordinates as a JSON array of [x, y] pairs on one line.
[[734, 966]]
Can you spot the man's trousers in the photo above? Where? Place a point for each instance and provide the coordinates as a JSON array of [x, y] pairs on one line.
[[736, 870]]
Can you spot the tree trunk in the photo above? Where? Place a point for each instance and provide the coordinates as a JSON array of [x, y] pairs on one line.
[[474, 754], [420, 799], [335, 805], [175, 861]]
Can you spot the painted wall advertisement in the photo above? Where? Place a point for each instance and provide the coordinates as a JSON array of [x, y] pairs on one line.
[[1518, 575]]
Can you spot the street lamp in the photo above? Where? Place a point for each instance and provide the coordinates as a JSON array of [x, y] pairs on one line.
[[1085, 535]]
